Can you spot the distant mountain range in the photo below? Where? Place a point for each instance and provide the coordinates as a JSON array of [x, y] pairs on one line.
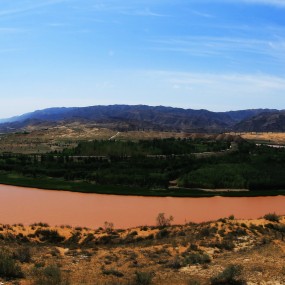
[[142, 117]]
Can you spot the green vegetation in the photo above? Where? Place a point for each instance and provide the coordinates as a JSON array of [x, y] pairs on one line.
[[272, 217], [230, 276], [9, 269], [23, 254], [50, 275], [143, 278], [147, 168], [146, 147], [113, 272]]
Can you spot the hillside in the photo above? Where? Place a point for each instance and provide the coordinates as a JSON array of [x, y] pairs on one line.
[[226, 251], [137, 117], [264, 122]]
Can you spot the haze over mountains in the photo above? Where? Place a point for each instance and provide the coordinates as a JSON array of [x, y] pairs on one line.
[[142, 117]]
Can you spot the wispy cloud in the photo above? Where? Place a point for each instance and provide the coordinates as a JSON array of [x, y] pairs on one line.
[[10, 30], [145, 12], [8, 50], [277, 3], [247, 82], [27, 6], [202, 14], [280, 3], [224, 47], [223, 91], [57, 25], [130, 9]]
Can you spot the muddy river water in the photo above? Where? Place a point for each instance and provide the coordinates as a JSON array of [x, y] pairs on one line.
[[27, 205]]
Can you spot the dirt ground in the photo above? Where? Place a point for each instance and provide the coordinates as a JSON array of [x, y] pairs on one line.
[[166, 254]]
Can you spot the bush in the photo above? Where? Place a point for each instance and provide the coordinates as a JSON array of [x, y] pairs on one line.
[[197, 258], [193, 282], [193, 247], [113, 272], [108, 226], [175, 263], [51, 236], [164, 233], [231, 217], [226, 244], [8, 266], [143, 278], [162, 221], [23, 254], [229, 276], [50, 275], [208, 232], [272, 217]]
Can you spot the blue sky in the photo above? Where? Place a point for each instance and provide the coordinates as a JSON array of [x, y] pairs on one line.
[[216, 54]]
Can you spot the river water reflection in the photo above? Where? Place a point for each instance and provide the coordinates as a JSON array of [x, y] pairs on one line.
[[27, 205]]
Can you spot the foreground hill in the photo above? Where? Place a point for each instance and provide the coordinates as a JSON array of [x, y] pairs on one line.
[[226, 251], [137, 117]]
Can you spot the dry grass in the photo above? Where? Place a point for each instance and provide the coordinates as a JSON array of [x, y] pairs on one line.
[[267, 137], [100, 256]]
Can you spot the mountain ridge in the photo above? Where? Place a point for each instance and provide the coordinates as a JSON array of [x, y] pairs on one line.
[[130, 117]]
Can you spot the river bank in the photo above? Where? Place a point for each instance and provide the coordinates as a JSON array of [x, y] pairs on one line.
[[85, 187]]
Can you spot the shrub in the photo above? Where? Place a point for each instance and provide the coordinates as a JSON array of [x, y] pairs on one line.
[[162, 234], [8, 266], [108, 226], [225, 244], [272, 217], [113, 272], [193, 247], [193, 282], [40, 224], [231, 217], [197, 258], [88, 240], [229, 276], [23, 254], [240, 232], [208, 232], [51, 236], [143, 278], [50, 275], [175, 263], [162, 221]]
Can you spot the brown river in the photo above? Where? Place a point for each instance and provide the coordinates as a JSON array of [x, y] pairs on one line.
[[27, 205]]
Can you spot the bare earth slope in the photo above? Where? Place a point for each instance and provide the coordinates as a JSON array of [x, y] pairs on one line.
[[162, 255]]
